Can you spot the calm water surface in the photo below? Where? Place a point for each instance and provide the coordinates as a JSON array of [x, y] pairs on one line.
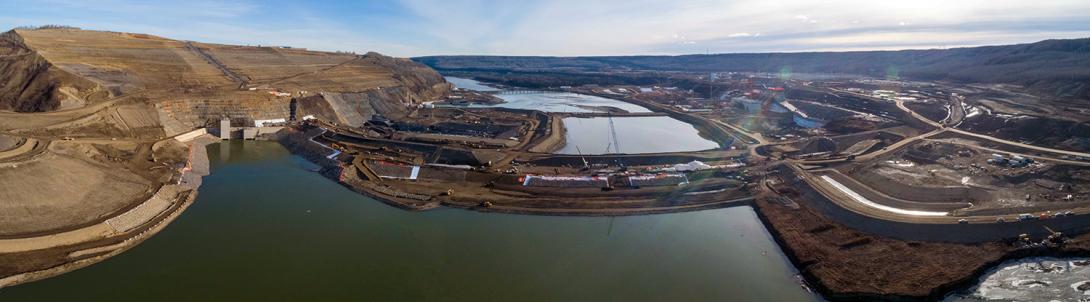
[[591, 135], [470, 84], [636, 135], [264, 228], [548, 102], [563, 102]]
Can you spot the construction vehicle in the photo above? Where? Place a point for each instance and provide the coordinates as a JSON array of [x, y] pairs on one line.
[[1024, 238], [1025, 217], [1054, 237]]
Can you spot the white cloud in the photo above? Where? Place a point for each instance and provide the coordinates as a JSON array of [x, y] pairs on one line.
[[711, 22], [579, 27]]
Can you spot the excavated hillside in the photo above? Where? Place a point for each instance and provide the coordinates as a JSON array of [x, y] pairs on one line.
[[90, 163], [32, 84], [178, 85]]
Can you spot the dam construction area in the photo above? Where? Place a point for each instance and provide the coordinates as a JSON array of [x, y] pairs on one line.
[[848, 187]]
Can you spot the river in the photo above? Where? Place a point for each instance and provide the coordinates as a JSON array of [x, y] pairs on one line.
[[562, 102], [266, 228], [548, 102], [470, 84]]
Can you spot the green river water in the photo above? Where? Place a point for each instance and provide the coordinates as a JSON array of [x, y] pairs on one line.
[[265, 228]]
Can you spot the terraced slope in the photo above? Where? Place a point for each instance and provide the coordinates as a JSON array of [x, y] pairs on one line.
[[192, 83]]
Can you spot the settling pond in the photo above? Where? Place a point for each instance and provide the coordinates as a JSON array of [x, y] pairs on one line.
[[266, 228]]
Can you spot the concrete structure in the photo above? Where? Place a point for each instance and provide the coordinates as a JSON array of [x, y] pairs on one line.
[[188, 136], [808, 122], [270, 122], [757, 106], [249, 133], [225, 129]]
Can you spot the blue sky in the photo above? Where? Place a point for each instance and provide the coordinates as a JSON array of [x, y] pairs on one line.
[[573, 27]]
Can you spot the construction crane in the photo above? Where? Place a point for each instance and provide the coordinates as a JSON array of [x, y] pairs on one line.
[[613, 132], [616, 142], [586, 165]]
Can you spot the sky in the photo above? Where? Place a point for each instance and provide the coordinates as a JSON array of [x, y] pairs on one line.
[[406, 28]]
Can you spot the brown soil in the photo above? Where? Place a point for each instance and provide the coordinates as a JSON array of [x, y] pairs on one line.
[[555, 138], [844, 263]]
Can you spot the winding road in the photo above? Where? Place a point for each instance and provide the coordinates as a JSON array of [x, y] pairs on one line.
[[849, 200]]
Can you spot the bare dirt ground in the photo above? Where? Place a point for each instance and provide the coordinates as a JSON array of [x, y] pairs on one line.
[[9, 142], [838, 256], [68, 186], [31, 258], [833, 256], [992, 188]]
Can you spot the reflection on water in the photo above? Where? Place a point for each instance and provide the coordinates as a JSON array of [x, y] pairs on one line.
[[548, 102], [470, 84], [1033, 279], [563, 102], [265, 229], [636, 135]]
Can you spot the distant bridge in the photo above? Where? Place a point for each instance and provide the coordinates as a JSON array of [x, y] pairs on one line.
[[608, 114], [523, 91]]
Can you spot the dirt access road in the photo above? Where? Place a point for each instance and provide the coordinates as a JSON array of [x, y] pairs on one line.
[[844, 200]]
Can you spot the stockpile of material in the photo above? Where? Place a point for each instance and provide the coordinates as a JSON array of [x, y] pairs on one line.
[[394, 170], [661, 179], [565, 181]]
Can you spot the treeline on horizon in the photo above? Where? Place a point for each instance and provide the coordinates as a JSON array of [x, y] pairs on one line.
[[1059, 68]]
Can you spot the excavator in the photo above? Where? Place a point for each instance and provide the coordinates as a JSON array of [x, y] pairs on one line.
[[1054, 237]]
